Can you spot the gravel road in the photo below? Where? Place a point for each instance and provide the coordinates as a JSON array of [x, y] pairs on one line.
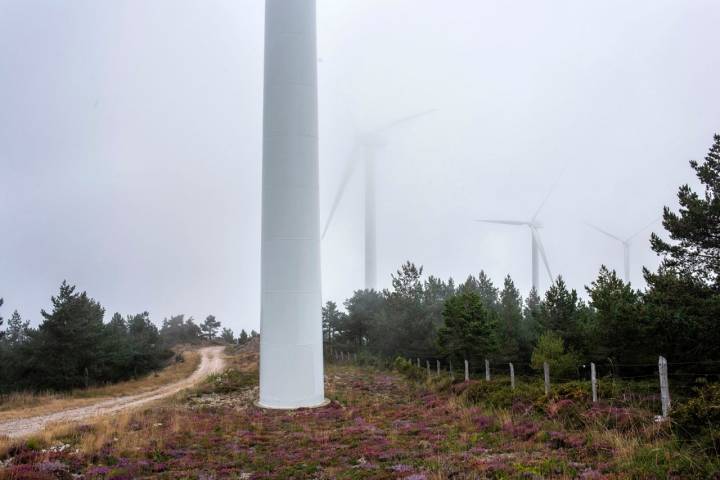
[[211, 362]]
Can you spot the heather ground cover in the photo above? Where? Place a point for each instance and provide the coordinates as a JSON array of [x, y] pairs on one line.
[[378, 425]]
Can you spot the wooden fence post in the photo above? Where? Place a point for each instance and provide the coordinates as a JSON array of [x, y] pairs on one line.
[[593, 379], [418, 362], [664, 386], [452, 374], [467, 371], [546, 371], [437, 362], [487, 369], [355, 357], [427, 362], [512, 376]]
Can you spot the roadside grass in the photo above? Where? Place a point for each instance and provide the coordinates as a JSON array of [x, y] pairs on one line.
[[378, 425], [24, 405]]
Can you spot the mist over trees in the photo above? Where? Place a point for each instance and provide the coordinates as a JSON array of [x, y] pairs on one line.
[[676, 316]]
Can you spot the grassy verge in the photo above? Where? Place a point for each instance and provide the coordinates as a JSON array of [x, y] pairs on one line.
[[24, 405], [379, 425]]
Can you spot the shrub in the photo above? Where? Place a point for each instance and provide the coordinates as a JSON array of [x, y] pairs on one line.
[[567, 411], [442, 383], [478, 391], [407, 368], [698, 419], [367, 359], [618, 418], [498, 394], [579, 392], [229, 381], [551, 349]]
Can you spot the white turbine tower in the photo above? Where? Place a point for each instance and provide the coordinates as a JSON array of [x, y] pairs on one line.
[[625, 243], [368, 145], [538, 250], [291, 355]]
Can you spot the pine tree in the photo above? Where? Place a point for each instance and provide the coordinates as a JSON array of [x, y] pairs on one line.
[[560, 313], [695, 229], [332, 321], [487, 291], [227, 335], [70, 342], [530, 328], [468, 331], [243, 337], [435, 292], [177, 330], [17, 330], [509, 320], [145, 341], [619, 332], [682, 302], [484, 287], [210, 327], [355, 328], [403, 326]]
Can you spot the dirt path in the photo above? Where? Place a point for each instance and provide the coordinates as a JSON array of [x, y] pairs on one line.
[[211, 362]]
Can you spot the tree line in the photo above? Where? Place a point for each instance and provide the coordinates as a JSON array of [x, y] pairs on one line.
[[73, 347], [676, 315]]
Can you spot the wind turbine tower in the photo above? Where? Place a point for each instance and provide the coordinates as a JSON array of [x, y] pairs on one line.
[[368, 146], [538, 249], [291, 349], [626, 242]]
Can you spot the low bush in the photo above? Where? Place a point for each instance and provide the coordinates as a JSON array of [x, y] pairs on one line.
[[229, 381], [617, 418], [567, 411], [698, 418], [579, 392], [408, 369], [367, 359], [498, 394], [442, 383]]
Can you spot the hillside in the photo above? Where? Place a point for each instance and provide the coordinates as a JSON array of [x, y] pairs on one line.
[[378, 425]]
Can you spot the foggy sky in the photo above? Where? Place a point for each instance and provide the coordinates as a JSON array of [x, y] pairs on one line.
[[130, 141]]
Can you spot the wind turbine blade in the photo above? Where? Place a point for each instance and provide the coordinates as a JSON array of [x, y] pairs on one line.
[[547, 197], [643, 229], [594, 227], [503, 222], [402, 120], [541, 247], [349, 170]]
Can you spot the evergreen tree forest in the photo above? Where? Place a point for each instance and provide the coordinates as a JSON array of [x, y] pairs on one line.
[[675, 316], [73, 347]]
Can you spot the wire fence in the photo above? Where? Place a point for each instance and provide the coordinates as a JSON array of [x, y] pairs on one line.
[[645, 385]]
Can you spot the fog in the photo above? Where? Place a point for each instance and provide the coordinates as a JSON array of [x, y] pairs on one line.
[[130, 141]]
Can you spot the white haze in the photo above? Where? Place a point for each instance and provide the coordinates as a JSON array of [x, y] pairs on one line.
[[130, 148]]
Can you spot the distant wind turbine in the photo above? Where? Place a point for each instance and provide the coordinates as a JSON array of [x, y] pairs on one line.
[[538, 250], [368, 144], [625, 243]]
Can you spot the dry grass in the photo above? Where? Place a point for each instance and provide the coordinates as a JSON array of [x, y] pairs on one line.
[[126, 431], [243, 358], [23, 405]]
